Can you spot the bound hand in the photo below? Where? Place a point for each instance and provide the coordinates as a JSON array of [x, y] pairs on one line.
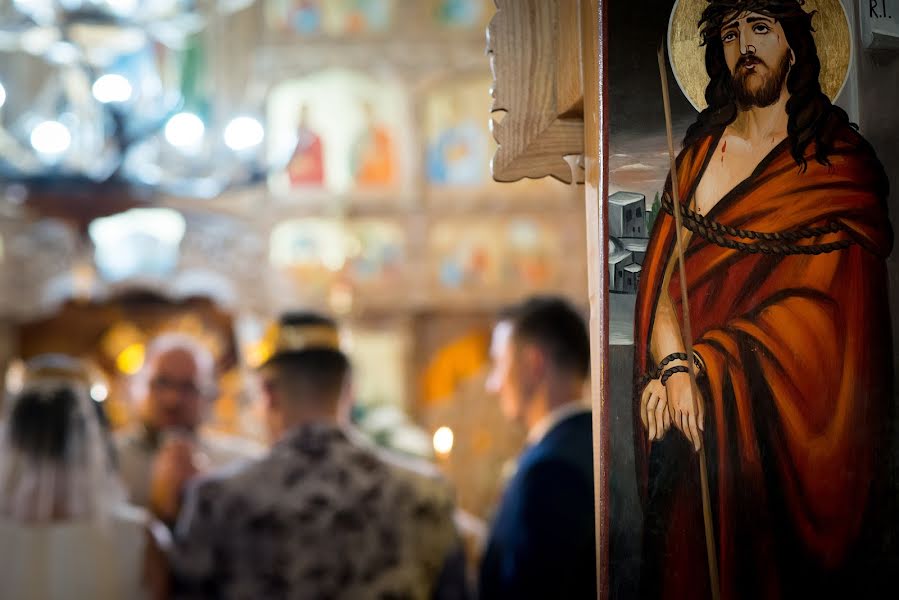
[[687, 416], [654, 410]]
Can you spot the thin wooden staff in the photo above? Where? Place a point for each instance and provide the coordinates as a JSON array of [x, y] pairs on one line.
[[688, 337]]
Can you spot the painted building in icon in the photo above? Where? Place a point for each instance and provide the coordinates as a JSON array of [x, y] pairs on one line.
[[629, 238], [630, 279], [618, 260], [636, 246], [627, 216]]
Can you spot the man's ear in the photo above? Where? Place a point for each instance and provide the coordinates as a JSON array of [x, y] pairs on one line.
[[534, 360], [347, 400], [271, 409], [792, 57], [348, 391]]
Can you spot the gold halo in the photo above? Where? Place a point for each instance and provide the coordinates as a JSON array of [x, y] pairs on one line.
[[832, 38]]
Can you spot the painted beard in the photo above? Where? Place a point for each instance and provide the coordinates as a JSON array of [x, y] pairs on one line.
[[772, 84]]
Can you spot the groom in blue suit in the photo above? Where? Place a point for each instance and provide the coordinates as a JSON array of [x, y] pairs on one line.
[[541, 544]]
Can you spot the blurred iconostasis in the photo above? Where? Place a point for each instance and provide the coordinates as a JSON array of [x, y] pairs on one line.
[[328, 155]]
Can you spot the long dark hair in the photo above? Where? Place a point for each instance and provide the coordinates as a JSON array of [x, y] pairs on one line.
[[811, 115], [43, 422]]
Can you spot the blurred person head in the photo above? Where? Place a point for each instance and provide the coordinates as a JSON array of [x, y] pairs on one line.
[[54, 458], [307, 377], [175, 383], [541, 358]]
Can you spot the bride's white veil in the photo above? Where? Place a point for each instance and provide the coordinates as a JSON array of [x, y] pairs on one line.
[[55, 463]]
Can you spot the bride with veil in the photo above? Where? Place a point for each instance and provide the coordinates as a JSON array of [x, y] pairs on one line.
[[66, 529]]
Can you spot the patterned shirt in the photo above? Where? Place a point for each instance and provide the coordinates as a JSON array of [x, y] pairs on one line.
[[321, 517]]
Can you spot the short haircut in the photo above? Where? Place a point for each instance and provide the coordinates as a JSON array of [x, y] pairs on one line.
[[167, 342], [320, 373], [557, 328]]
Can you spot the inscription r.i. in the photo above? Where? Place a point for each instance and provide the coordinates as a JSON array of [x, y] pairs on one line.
[[874, 5]]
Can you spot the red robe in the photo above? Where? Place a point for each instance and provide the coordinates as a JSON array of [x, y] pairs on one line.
[[798, 391]]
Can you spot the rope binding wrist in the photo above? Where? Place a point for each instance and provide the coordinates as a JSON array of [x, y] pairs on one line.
[[672, 371], [660, 371], [668, 359]]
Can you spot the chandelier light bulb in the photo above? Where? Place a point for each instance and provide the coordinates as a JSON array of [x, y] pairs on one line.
[[184, 130], [123, 8], [443, 440], [99, 392], [29, 5], [51, 138], [112, 87], [243, 133]]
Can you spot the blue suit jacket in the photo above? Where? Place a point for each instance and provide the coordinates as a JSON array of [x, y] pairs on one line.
[[542, 543]]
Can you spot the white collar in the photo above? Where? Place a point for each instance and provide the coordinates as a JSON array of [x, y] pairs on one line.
[[556, 416]]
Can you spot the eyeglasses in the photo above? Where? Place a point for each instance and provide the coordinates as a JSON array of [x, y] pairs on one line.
[[183, 387]]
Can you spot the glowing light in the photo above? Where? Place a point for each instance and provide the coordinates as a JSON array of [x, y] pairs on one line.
[[15, 376], [38, 40], [122, 7], [443, 440], [333, 258], [243, 133], [112, 87], [137, 242], [2, 95], [259, 352], [62, 53], [99, 392], [163, 223], [51, 138], [131, 359], [39, 10], [184, 130]]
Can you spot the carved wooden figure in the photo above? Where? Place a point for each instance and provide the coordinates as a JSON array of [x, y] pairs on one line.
[[535, 56]]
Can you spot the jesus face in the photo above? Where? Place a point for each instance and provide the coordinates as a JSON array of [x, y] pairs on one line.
[[758, 56]]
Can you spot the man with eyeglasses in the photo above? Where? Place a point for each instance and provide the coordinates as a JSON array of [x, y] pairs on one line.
[[173, 391]]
